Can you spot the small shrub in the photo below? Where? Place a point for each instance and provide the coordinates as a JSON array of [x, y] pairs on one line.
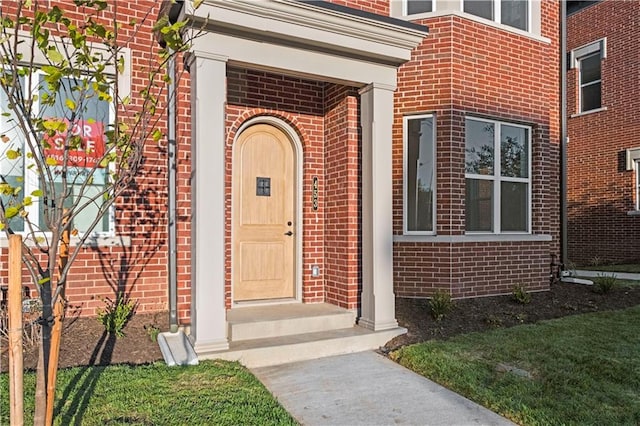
[[440, 304], [493, 321], [520, 294], [604, 283], [152, 332], [116, 315]]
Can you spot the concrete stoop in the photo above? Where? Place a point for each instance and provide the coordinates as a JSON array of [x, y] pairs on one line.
[[269, 335]]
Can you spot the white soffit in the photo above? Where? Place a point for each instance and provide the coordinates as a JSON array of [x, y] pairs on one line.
[[305, 26]]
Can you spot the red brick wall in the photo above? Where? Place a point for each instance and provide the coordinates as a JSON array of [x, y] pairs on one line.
[[342, 197], [600, 189], [467, 68]]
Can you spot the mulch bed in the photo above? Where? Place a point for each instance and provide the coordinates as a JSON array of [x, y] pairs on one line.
[[84, 341]]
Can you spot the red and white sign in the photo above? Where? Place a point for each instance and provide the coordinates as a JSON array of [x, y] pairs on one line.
[[91, 148]]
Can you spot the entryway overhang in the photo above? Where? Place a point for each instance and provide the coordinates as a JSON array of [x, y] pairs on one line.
[[313, 40]]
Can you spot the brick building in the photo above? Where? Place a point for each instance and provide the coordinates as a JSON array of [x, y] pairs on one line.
[[348, 152], [603, 96]]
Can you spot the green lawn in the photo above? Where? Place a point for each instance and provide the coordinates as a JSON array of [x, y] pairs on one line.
[[212, 393], [585, 369]]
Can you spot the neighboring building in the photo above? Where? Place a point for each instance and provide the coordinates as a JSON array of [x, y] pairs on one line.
[[603, 124], [349, 152]]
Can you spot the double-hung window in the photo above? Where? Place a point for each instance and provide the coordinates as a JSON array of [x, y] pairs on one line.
[[498, 177], [588, 61], [419, 174], [637, 170], [514, 13], [414, 7], [82, 187]]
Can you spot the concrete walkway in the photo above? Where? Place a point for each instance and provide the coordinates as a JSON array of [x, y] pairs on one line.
[[366, 388], [620, 275]]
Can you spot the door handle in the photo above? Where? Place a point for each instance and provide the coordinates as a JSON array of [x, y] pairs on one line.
[[288, 233]]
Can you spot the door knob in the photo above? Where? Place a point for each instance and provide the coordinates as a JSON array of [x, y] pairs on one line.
[[288, 233]]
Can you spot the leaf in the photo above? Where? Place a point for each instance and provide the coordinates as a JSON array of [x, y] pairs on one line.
[[54, 56], [51, 161], [74, 232], [27, 201], [37, 193], [1, 226], [70, 104], [157, 135], [43, 280], [197, 3], [12, 154], [5, 138], [11, 212]]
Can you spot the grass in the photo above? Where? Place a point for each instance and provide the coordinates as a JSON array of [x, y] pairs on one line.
[[213, 392], [585, 369]]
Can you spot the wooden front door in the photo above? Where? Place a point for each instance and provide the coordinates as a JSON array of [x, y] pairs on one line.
[[263, 215]]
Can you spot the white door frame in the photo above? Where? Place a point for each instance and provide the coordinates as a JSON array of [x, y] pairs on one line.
[[298, 217]]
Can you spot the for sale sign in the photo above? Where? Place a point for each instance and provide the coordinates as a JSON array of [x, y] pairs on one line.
[[90, 150]]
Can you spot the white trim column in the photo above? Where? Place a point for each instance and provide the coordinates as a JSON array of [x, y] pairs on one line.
[[208, 99], [376, 118]]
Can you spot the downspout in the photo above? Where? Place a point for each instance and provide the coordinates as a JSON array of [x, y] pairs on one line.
[[564, 138], [171, 159]]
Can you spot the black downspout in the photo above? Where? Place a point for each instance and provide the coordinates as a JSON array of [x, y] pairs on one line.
[[171, 158]]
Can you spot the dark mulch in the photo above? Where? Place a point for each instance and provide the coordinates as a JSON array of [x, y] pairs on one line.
[[480, 314], [85, 343]]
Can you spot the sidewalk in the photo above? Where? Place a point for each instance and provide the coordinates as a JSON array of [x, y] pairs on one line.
[[620, 275], [367, 389]]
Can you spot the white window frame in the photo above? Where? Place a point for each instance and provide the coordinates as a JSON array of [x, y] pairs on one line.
[[405, 133], [637, 173], [497, 177], [577, 55], [497, 12], [31, 179], [405, 8]]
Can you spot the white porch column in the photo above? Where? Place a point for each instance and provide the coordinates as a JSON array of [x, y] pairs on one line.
[[208, 99], [376, 118]]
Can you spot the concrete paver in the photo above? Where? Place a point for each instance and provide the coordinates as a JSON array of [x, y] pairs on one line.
[[366, 388]]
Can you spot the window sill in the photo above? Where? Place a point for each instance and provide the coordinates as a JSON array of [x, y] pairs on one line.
[[473, 238], [633, 213], [591, 111], [93, 242], [471, 17]]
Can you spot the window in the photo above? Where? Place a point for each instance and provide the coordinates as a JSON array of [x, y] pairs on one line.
[[637, 166], [588, 60], [497, 171], [413, 7], [514, 13], [419, 174], [95, 119]]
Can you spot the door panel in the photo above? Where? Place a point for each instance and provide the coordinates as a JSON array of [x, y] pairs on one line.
[[263, 206]]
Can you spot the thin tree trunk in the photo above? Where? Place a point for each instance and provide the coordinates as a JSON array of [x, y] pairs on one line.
[[40, 411], [56, 332], [14, 305]]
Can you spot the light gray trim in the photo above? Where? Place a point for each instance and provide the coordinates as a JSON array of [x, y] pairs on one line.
[[591, 111], [588, 49], [94, 242], [471, 238]]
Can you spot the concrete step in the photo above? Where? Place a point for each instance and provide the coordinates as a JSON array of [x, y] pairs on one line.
[[256, 322], [300, 347]]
